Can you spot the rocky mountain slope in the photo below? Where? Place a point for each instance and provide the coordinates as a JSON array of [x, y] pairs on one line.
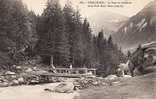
[[141, 28]]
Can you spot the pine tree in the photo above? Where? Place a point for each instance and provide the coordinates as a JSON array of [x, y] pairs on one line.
[[15, 29], [110, 42], [78, 52], [87, 41], [54, 40], [68, 13], [128, 54], [100, 46], [95, 51], [33, 36]]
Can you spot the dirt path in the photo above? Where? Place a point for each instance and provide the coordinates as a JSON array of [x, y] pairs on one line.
[[143, 87], [33, 92]]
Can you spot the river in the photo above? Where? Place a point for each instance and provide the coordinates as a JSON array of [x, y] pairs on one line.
[[33, 92]]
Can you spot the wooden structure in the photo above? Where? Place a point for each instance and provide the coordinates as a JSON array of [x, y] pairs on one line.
[[63, 73], [75, 71]]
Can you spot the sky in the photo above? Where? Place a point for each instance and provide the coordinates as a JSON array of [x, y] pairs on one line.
[[128, 10]]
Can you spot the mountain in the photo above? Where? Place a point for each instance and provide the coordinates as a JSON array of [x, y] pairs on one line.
[[139, 29], [108, 21]]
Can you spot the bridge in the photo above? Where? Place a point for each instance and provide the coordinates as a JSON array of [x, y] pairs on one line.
[[65, 73]]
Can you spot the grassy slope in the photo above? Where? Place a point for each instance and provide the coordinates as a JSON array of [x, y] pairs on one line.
[[142, 87]]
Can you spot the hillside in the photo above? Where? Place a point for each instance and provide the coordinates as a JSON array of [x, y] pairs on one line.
[[142, 87], [141, 28]]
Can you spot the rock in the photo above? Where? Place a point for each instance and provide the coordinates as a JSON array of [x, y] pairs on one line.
[[64, 88], [47, 89], [90, 73], [4, 84], [14, 82], [18, 67], [21, 80], [75, 83], [117, 83], [137, 72], [10, 73], [119, 72], [104, 84], [29, 70], [127, 76], [33, 81], [76, 88], [13, 76], [95, 83], [111, 77], [34, 68]]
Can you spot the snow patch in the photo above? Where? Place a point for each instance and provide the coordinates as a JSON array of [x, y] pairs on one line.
[[125, 30], [153, 20], [141, 23], [143, 26], [131, 25]]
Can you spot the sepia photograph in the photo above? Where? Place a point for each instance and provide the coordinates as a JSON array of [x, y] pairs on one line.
[[77, 49]]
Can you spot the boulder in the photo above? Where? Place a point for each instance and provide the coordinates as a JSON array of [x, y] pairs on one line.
[[64, 88], [18, 67], [95, 83], [111, 77], [4, 84], [127, 76], [14, 82], [28, 70], [48, 90], [117, 83], [21, 80], [10, 73]]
